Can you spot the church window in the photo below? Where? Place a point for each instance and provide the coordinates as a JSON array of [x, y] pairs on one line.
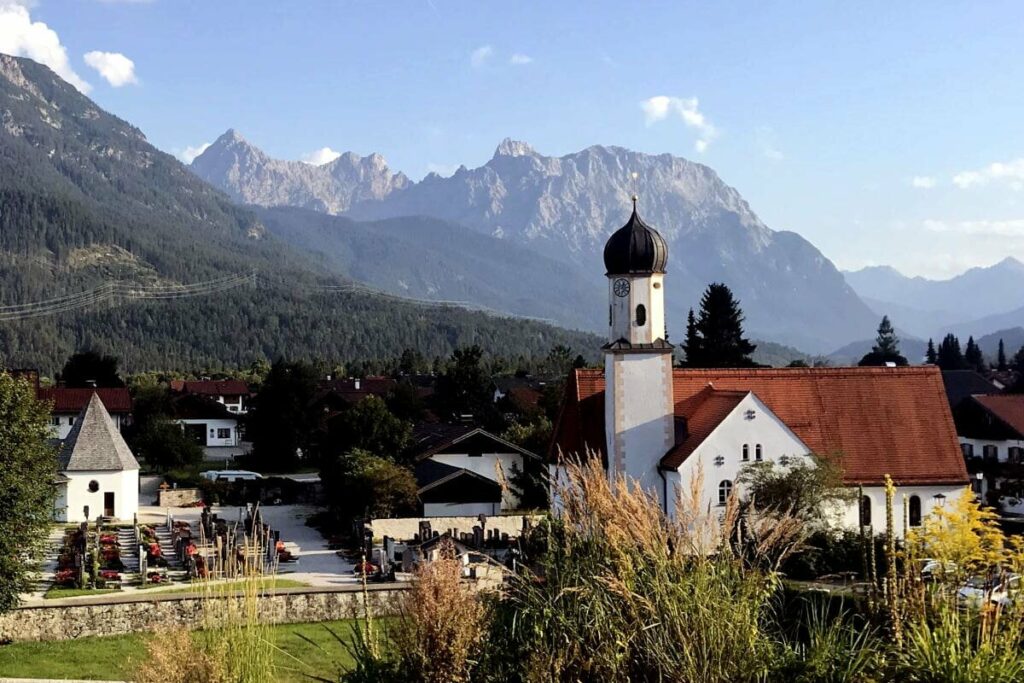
[[914, 511], [865, 511], [757, 452], [746, 452], [724, 491], [641, 315], [94, 486]]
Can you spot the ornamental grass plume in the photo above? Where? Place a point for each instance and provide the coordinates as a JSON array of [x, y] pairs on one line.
[[625, 592]]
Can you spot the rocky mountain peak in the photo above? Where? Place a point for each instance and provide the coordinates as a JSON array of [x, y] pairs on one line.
[[513, 148]]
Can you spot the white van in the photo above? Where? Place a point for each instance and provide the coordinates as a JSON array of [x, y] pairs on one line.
[[231, 475]]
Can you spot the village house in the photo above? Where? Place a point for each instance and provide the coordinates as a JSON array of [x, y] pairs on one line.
[[97, 473], [207, 421], [991, 431], [464, 470], [69, 402], [662, 426], [234, 394]]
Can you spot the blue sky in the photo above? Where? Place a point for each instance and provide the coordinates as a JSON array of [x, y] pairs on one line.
[[885, 133]]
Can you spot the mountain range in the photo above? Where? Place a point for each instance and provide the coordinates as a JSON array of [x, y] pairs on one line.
[[977, 302], [562, 209], [85, 201]]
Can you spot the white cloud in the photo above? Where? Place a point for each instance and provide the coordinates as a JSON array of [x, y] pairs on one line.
[[480, 56], [660, 107], [319, 157], [923, 182], [191, 152], [117, 69], [22, 37], [519, 59], [990, 228], [768, 143], [1010, 172]]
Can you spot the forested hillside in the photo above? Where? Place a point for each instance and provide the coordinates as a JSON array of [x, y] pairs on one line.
[[86, 200]]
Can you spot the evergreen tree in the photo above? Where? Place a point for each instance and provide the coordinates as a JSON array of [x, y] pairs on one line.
[[719, 330], [950, 357], [28, 465], [280, 424], [90, 369], [930, 356], [973, 356], [1001, 358], [692, 343], [464, 389], [1017, 365], [886, 348]]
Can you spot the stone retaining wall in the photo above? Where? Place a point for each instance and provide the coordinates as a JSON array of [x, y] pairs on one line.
[[131, 615]]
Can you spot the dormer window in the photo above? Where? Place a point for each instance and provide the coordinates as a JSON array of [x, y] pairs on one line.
[[641, 315]]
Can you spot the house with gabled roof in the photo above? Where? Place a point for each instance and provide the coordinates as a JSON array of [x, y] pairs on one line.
[[991, 429], [97, 473], [69, 402], [463, 470], [663, 428], [234, 394]]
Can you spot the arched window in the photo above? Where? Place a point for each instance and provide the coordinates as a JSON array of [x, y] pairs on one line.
[[724, 491], [865, 511], [757, 452], [914, 511], [746, 452], [641, 315]]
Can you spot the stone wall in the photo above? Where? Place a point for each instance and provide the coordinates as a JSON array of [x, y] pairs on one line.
[[176, 498], [404, 528], [131, 613]]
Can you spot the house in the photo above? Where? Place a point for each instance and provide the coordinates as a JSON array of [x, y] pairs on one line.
[[234, 394], [962, 384], [209, 422], [662, 427], [991, 431], [69, 402], [464, 470], [97, 473]]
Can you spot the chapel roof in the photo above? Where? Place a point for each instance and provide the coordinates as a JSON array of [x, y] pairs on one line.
[[94, 443]]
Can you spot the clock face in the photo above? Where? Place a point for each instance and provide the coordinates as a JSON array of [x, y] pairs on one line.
[[621, 287]]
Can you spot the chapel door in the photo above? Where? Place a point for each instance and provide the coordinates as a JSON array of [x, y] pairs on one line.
[[108, 504]]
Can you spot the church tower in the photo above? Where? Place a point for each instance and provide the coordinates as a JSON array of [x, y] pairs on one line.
[[639, 423]]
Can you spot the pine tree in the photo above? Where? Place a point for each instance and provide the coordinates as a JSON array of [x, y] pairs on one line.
[[930, 356], [950, 357], [692, 344], [1001, 357], [886, 348], [973, 356], [720, 328]]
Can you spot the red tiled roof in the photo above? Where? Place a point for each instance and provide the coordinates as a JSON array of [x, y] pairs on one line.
[[1007, 407], [702, 412], [216, 387], [74, 400], [881, 421]]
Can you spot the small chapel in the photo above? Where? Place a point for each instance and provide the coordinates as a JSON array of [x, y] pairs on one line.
[[660, 426], [98, 476]]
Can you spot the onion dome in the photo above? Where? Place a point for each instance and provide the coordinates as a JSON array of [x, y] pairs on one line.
[[635, 248]]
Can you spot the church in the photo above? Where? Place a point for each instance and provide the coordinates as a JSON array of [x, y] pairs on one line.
[[661, 426]]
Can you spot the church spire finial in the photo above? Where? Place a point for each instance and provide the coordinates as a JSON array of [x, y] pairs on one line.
[[634, 175]]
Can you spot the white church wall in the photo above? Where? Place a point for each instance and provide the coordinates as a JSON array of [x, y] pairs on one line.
[[123, 484], [720, 457], [931, 497]]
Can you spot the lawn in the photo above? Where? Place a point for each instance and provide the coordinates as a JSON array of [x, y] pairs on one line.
[[55, 592], [112, 657]]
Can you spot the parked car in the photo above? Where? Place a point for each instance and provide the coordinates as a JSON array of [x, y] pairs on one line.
[[932, 569], [1001, 590], [231, 475]]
